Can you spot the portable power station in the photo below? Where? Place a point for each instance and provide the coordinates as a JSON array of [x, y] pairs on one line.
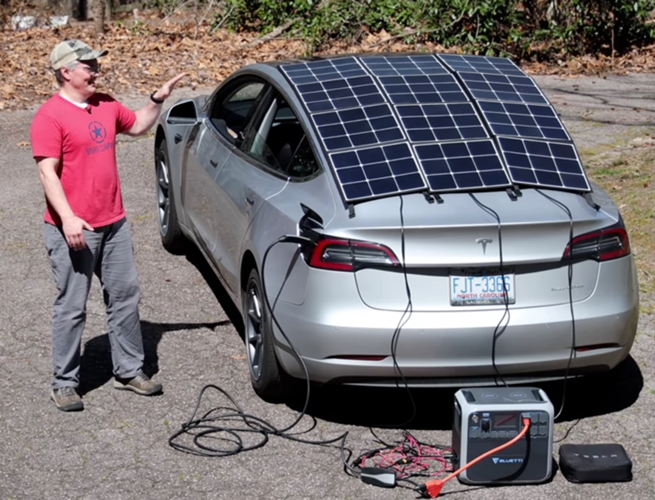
[[485, 418]]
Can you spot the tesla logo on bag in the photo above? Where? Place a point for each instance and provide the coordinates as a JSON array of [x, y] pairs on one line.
[[484, 242]]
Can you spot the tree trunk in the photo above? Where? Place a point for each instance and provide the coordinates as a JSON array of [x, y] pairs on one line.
[[99, 16], [109, 7]]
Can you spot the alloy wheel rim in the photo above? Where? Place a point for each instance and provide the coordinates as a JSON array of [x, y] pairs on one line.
[[254, 332], [163, 196]]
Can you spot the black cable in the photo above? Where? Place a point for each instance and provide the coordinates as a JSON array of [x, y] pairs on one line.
[[404, 318], [206, 428], [568, 431], [498, 331], [407, 313], [570, 282]]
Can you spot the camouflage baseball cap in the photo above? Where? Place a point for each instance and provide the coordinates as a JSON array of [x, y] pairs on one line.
[[73, 50]]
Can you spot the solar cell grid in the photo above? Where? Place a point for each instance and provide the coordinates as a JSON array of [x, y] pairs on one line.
[[422, 89], [523, 120], [323, 70], [357, 127], [377, 171], [404, 65], [480, 64], [503, 88], [461, 165], [441, 122], [539, 163], [340, 94]]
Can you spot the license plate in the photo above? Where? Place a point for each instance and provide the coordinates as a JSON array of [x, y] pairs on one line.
[[481, 288]]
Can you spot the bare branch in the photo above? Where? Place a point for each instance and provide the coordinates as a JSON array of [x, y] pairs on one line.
[[275, 33]]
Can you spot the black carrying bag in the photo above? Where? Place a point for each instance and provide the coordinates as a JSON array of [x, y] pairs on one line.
[[595, 463]]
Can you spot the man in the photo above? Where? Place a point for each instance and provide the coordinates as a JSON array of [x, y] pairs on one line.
[[73, 142]]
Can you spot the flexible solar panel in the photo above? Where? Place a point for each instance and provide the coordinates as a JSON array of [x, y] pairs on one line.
[[324, 70], [480, 64], [541, 163], [523, 120], [358, 127], [441, 122], [433, 107], [415, 79], [454, 166], [404, 66], [404, 123], [536, 148], [346, 93], [377, 171], [511, 88], [351, 114]]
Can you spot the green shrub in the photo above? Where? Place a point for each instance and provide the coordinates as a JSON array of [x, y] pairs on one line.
[[521, 28]]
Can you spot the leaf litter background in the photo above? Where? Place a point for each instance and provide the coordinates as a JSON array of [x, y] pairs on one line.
[[146, 50]]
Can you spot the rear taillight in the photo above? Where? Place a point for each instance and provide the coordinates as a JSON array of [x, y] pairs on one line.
[[602, 245], [348, 255]]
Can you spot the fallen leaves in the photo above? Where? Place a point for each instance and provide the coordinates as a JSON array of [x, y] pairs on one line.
[[146, 51]]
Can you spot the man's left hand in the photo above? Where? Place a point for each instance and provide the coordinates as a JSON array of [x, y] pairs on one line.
[[165, 91]]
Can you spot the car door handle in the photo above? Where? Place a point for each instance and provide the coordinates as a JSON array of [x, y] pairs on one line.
[[177, 138], [250, 201], [213, 163]]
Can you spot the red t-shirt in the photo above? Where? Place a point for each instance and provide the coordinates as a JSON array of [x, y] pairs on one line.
[[84, 140]]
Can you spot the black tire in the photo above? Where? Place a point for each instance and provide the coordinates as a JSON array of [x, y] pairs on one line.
[[172, 238], [267, 377]]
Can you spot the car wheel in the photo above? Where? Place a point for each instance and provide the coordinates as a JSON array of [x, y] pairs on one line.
[[169, 229], [266, 375]]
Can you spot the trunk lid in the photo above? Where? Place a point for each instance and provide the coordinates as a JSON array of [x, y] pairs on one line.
[[459, 237]]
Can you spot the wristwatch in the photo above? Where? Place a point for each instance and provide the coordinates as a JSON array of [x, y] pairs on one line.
[[155, 100]]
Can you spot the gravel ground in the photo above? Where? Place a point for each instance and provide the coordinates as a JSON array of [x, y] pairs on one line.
[[118, 447]]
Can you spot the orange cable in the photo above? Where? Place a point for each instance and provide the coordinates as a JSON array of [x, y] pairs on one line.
[[433, 488]]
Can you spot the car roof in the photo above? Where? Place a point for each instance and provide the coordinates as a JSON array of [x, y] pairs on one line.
[[394, 123]]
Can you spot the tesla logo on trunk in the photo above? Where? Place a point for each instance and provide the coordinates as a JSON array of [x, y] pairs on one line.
[[484, 242]]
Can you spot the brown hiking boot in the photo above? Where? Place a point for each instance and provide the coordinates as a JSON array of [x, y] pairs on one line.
[[67, 399], [141, 384]]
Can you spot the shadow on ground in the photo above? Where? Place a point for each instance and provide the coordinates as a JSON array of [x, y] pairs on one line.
[[96, 366], [198, 261], [432, 409]]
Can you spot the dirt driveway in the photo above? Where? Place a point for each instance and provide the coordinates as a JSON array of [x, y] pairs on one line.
[[117, 448]]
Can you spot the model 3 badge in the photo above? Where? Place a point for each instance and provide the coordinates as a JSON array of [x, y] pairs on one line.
[[484, 242]]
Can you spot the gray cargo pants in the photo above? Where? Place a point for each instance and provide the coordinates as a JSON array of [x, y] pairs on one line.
[[110, 256]]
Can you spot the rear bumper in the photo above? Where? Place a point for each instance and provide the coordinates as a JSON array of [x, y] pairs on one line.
[[332, 328]]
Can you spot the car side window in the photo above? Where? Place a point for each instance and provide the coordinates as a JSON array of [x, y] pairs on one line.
[[280, 142], [231, 111]]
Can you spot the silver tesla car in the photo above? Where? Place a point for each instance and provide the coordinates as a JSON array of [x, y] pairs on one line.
[[392, 219]]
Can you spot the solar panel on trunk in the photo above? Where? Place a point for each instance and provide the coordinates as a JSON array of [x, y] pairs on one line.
[[456, 166], [547, 164], [377, 171]]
